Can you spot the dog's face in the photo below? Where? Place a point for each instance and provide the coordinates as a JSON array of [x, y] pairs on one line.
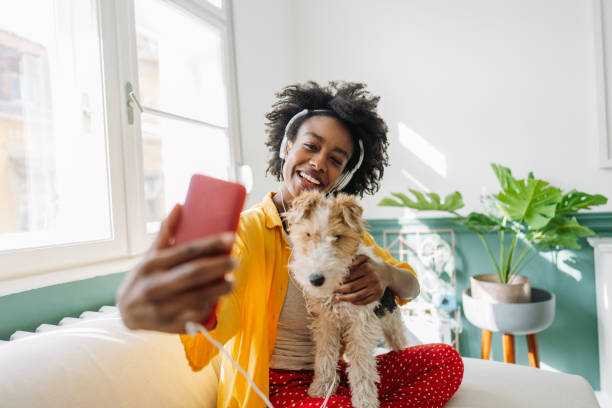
[[325, 234]]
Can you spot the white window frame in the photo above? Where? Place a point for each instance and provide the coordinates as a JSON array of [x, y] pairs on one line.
[[32, 268]]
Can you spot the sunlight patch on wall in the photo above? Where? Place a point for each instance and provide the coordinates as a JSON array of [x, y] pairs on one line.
[[409, 214], [563, 260], [415, 181], [423, 149]]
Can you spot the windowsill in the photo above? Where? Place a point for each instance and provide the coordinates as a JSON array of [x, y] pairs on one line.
[[22, 284]]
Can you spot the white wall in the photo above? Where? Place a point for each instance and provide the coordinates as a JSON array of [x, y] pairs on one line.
[[466, 83], [265, 64]]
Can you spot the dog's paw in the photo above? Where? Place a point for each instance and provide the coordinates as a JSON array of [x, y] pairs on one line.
[[320, 388], [316, 391], [367, 402]]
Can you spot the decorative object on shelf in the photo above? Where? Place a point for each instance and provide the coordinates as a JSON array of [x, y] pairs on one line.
[[434, 316], [533, 214], [445, 301], [511, 319]]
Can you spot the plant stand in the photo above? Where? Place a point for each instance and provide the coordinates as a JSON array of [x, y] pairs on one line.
[[508, 347], [511, 319]]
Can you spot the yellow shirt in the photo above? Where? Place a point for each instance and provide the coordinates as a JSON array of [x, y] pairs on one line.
[[247, 317]]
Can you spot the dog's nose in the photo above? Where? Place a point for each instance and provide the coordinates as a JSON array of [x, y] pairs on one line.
[[316, 279]]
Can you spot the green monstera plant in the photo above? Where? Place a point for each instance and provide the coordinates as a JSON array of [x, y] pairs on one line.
[[530, 212]]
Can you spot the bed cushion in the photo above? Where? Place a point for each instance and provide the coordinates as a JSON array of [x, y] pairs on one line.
[[500, 385], [97, 362]]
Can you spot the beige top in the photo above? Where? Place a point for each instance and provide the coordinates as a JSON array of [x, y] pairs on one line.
[[294, 348]]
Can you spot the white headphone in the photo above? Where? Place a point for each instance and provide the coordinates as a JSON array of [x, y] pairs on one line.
[[346, 176]]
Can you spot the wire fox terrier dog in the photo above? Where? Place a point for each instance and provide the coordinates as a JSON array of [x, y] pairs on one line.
[[326, 235]]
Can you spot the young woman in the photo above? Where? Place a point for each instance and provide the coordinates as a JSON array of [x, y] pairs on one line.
[[320, 137]]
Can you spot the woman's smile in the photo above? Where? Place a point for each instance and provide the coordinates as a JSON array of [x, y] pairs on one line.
[[309, 180]]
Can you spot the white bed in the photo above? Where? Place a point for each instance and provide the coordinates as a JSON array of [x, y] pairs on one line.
[[96, 362], [501, 385]]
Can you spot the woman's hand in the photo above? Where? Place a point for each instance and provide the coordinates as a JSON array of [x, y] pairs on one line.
[[366, 282], [172, 286]]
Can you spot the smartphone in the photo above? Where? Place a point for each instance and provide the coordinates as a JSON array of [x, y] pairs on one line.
[[212, 206]]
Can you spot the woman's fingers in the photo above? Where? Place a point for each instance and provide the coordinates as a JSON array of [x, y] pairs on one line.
[[167, 258], [166, 229], [189, 275], [357, 262], [195, 305], [362, 287], [168, 273], [358, 279], [362, 297], [352, 287], [170, 315]]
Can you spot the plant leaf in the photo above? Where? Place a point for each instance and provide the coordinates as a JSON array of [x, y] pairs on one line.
[[480, 223], [561, 232], [504, 175], [453, 201], [554, 240], [422, 203], [425, 201], [574, 201], [531, 200], [563, 224], [389, 202], [490, 205], [404, 199]]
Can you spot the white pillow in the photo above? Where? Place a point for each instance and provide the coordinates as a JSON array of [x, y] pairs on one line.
[[99, 363]]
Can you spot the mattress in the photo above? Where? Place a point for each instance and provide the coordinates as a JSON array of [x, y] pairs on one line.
[[501, 385]]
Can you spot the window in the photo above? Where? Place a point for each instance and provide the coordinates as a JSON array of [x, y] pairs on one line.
[[83, 176], [52, 134], [183, 92]]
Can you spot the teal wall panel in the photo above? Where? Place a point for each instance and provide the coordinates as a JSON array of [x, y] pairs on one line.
[[27, 310], [570, 344]]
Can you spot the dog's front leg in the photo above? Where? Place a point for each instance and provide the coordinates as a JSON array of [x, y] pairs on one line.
[[326, 335], [361, 338], [394, 330]]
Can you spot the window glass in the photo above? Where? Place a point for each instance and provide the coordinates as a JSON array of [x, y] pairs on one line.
[[180, 66], [54, 185], [180, 72], [173, 150]]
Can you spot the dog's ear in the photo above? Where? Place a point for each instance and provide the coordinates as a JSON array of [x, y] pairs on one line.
[[350, 211], [302, 206]]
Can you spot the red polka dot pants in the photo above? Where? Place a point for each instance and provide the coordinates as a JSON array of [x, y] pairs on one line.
[[424, 376]]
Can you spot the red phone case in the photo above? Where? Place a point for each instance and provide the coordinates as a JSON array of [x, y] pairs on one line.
[[212, 206]]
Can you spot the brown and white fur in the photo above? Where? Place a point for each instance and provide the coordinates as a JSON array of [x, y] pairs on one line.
[[326, 235]]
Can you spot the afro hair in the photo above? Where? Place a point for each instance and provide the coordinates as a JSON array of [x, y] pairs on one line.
[[353, 106]]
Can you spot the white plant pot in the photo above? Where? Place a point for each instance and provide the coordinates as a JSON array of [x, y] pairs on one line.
[[487, 287]]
